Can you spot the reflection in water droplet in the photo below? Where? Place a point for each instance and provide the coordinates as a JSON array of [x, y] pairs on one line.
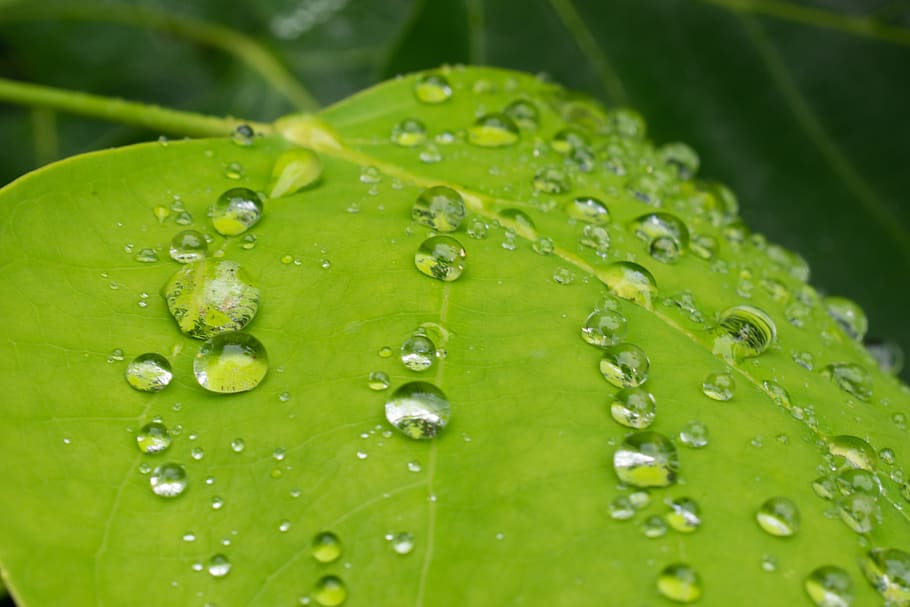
[[403, 542], [378, 380], [694, 434], [680, 583], [418, 409], [719, 386], [851, 378], [646, 459], [684, 515], [654, 527], [477, 228], [238, 445], [326, 547], [168, 480], [563, 276], [633, 408], [409, 133], [855, 451], [330, 591], [848, 315], [666, 235], [219, 566], [149, 372], [188, 246], [625, 365], [440, 257], [439, 207], [493, 131], [588, 209], [743, 332], [524, 113], [630, 281], [418, 352], [551, 180], [604, 328], [294, 170], [621, 508], [231, 362], [243, 135], [153, 438], [432, 88], [888, 570], [830, 586], [860, 512], [778, 516], [236, 211]]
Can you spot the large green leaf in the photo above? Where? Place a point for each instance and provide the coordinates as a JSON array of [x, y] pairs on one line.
[[511, 502]]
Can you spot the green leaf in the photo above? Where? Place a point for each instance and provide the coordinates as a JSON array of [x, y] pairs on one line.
[[511, 501]]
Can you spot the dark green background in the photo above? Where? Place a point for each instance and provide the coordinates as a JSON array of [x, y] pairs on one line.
[[807, 123]]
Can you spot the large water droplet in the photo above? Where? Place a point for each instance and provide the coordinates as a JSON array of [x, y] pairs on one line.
[[219, 565], [231, 362], [633, 408], [588, 209], [743, 332], [778, 516], [439, 207], [848, 315], [326, 547], [210, 297], [330, 591], [830, 586], [855, 451], [168, 480], [888, 570], [418, 352], [432, 88], [149, 372], [646, 459], [409, 133], [493, 131], [625, 365], [859, 511], [680, 583], [630, 281], [153, 437], [719, 386], [418, 409], [188, 246], [236, 211], [851, 378], [440, 257], [294, 170], [684, 515], [604, 328]]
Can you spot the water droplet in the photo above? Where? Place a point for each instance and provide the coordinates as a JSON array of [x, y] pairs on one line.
[[694, 434], [197, 453], [646, 459], [563, 276], [439, 207], [597, 238], [440, 257], [855, 451], [168, 480], [621, 508], [409, 133], [888, 355], [217, 502], [804, 360], [630, 281], [330, 591], [703, 246], [588, 209], [848, 315], [379, 380], [243, 135], [654, 527], [860, 512], [418, 409], [153, 437], [666, 235], [888, 570], [524, 113], [551, 180], [855, 480], [294, 170], [432, 88], [403, 543], [492, 131], [680, 583], [231, 362], [149, 372], [824, 487], [604, 328], [236, 211], [238, 445], [418, 352], [633, 408], [684, 515], [234, 170], [210, 297], [830, 586], [146, 255], [116, 355], [189, 536], [851, 378], [543, 246], [477, 228], [219, 566], [370, 175], [681, 157], [188, 246], [625, 365], [778, 516], [719, 386], [326, 547], [414, 466], [743, 332]]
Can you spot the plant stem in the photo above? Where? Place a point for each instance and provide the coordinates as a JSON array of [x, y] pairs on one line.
[[152, 117]]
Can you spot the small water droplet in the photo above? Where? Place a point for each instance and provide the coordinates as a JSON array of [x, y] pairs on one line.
[[684, 515], [543, 246], [563, 276], [168, 480], [524, 113], [625, 365], [630, 281], [197, 453], [855, 480], [854, 451], [379, 380], [848, 315], [654, 527], [294, 170], [116, 355], [493, 130], [851, 378], [646, 459], [238, 445], [888, 570], [189, 536], [384, 352], [146, 255], [326, 547], [694, 434], [409, 133], [403, 542], [719, 386], [330, 591], [236, 211], [188, 246], [414, 466], [440, 257], [153, 437], [231, 362], [681, 157], [743, 332], [830, 586], [439, 207], [149, 372], [680, 583], [588, 209], [243, 135], [219, 566], [778, 516], [284, 526], [418, 352], [604, 328], [418, 409], [860, 512], [477, 228], [551, 180], [621, 508], [432, 88], [666, 235], [217, 502], [633, 408], [888, 355]]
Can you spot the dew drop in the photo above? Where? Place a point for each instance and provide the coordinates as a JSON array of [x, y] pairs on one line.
[[409, 133], [477, 228], [680, 583], [855, 451], [188, 246], [418, 409], [493, 130], [694, 434], [621, 508], [168, 480], [646, 459], [146, 255], [378, 380], [238, 445], [851, 378], [633, 408], [414, 466], [243, 135], [294, 170], [563, 276], [524, 113], [625, 365], [236, 211], [440, 257], [231, 362], [860, 512], [149, 372], [439, 207], [684, 515], [848, 315], [719, 386], [654, 527], [888, 570], [153, 437], [743, 332], [681, 157], [778, 516], [370, 175], [418, 352], [830, 586], [888, 355], [403, 543], [432, 88], [219, 566], [588, 209], [551, 180], [597, 238], [330, 591], [604, 328], [544, 246], [326, 547], [666, 235], [630, 281]]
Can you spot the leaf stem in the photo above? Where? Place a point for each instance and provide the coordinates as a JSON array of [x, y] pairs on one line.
[[152, 117]]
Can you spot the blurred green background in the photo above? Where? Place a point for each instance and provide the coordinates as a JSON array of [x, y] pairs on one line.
[[800, 106]]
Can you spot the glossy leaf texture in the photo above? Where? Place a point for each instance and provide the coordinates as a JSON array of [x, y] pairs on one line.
[[515, 499]]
